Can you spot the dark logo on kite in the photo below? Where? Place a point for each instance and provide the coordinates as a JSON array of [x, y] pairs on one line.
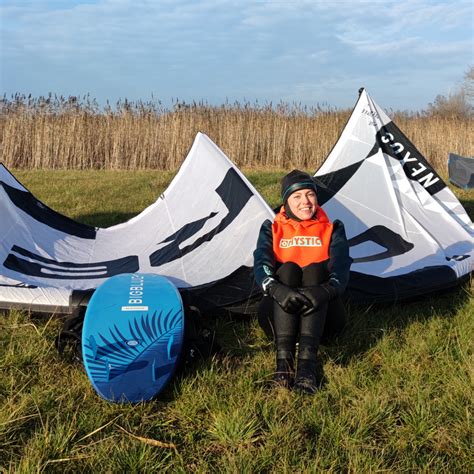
[[395, 144], [393, 243], [234, 194], [26, 262], [330, 184], [25, 201]]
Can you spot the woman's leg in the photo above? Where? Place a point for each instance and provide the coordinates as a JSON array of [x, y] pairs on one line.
[[316, 274], [309, 370], [291, 276], [286, 326]]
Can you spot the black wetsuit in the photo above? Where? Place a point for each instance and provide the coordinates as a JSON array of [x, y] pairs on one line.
[[288, 328]]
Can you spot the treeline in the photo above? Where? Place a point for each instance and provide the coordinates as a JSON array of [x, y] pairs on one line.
[[74, 132]]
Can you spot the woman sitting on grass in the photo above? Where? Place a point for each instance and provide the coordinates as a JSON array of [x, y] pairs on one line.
[[302, 261]]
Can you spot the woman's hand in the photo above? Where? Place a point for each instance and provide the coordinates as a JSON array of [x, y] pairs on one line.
[[290, 300], [318, 295]]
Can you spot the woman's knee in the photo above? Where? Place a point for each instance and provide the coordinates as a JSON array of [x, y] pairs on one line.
[[315, 274], [290, 274]]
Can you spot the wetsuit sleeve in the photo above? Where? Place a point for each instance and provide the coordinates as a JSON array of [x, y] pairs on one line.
[[339, 258], [263, 257]]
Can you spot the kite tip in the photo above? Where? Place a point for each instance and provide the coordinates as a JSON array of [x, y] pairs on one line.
[[361, 90]]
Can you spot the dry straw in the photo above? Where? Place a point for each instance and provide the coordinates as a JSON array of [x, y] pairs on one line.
[[75, 133]]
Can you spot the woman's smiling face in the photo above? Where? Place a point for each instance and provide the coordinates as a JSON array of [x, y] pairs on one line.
[[303, 203]]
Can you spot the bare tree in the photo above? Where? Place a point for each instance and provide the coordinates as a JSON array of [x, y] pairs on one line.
[[459, 103], [468, 84]]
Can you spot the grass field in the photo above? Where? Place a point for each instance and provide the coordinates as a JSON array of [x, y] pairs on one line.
[[399, 396]]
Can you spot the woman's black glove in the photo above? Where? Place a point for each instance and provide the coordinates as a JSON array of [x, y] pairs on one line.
[[290, 300], [318, 295]]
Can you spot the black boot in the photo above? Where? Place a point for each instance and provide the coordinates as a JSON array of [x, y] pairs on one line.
[[309, 376], [309, 372], [284, 373]]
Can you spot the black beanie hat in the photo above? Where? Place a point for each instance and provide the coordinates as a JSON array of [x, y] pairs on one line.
[[295, 180]]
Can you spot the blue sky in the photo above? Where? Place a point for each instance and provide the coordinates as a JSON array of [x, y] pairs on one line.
[[404, 52]]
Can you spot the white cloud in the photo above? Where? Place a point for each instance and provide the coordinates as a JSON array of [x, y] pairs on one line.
[[363, 42], [288, 49]]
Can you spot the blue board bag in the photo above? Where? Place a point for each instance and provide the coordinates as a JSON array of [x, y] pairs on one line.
[[132, 336]]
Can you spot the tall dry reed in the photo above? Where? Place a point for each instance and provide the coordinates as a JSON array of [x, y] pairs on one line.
[[56, 132]]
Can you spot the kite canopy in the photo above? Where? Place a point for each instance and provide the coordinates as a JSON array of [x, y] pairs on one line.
[[200, 234], [408, 233]]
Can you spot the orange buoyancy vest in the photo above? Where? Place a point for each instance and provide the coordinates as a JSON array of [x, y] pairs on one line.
[[301, 242]]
